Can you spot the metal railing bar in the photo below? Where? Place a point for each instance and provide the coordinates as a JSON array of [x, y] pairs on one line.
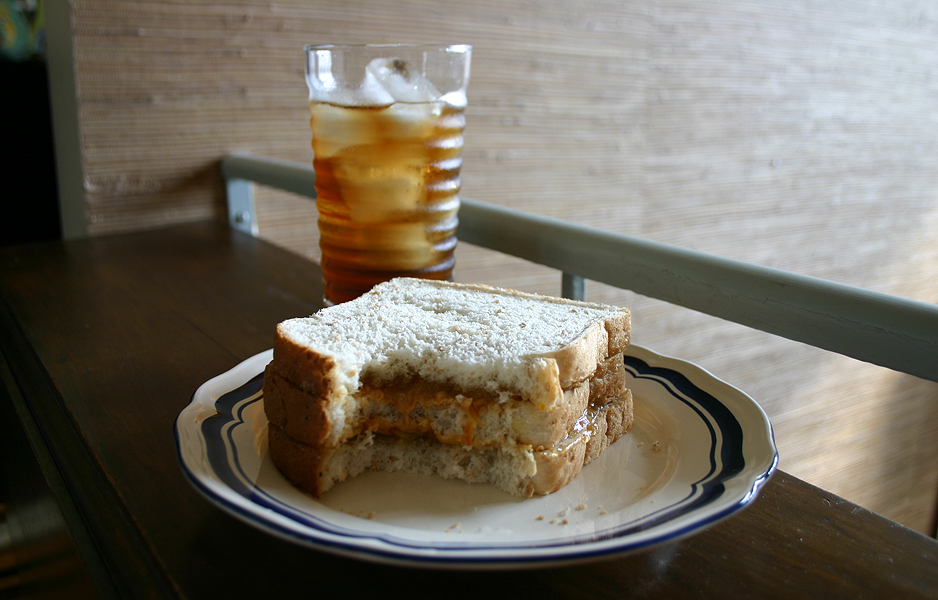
[[286, 175], [883, 329]]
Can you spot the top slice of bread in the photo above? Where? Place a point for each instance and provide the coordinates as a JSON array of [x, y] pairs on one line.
[[508, 344]]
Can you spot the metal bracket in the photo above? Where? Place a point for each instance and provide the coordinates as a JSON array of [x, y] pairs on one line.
[[572, 286], [241, 212]]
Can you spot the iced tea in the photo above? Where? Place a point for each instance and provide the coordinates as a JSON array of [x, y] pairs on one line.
[[387, 179]]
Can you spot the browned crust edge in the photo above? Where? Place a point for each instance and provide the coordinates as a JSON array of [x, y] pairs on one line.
[[299, 463], [555, 472]]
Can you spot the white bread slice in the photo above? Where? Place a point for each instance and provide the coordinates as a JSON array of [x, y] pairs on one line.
[[470, 337], [516, 469]]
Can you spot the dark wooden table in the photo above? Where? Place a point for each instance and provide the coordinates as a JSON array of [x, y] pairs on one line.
[[103, 342]]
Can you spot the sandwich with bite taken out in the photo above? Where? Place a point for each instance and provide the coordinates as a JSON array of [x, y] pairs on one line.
[[461, 381]]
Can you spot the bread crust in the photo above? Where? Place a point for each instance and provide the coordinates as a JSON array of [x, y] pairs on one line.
[[300, 463], [311, 371], [608, 381], [300, 414], [557, 469]]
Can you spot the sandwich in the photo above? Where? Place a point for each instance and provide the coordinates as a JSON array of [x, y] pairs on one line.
[[472, 382]]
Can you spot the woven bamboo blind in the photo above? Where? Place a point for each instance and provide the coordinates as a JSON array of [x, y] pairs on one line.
[[801, 135]]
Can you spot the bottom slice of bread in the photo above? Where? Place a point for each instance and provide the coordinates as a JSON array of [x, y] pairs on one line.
[[519, 470]]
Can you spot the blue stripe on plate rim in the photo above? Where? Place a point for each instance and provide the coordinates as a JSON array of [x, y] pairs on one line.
[[726, 461]]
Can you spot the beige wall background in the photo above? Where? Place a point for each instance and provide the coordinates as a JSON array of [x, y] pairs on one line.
[[800, 135]]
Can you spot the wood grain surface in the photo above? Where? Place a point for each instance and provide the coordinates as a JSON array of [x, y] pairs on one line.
[[800, 135], [107, 339]]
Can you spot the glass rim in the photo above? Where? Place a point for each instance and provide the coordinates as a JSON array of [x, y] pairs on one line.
[[434, 46]]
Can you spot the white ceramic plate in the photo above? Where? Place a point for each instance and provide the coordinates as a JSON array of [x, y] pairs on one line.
[[698, 452]]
